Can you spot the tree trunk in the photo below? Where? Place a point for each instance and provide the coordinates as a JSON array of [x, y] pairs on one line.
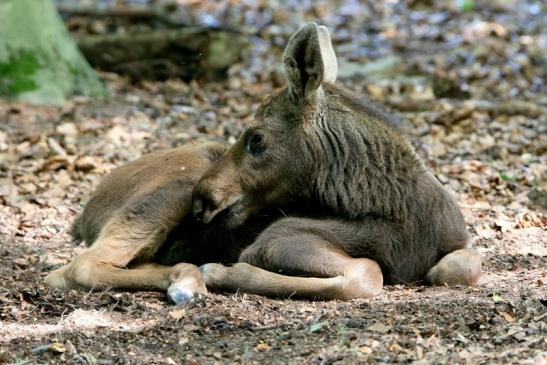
[[39, 62]]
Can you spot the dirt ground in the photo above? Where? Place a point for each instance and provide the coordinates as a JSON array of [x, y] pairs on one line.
[[471, 94]]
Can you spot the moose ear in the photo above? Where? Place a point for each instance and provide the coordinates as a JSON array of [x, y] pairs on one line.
[[309, 59]]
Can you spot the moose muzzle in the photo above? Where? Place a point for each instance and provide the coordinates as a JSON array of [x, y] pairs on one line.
[[215, 192]]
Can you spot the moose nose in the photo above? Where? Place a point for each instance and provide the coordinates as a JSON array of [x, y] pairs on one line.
[[198, 209], [204, 204]]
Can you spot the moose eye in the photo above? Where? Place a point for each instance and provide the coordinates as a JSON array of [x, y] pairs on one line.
[[255, 143]]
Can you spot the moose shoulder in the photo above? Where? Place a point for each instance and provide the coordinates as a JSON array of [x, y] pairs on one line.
[[359, 208]]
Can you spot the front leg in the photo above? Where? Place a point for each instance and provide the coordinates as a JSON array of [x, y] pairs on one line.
[[183, 282], [107, 264], [298, 246], [121, 256]]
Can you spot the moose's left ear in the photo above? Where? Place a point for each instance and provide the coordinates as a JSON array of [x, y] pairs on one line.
[[309, 59]]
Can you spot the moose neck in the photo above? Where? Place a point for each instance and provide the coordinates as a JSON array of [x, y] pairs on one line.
[[362, 165]]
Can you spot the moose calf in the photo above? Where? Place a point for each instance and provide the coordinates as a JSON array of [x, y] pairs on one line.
[[321, 198]]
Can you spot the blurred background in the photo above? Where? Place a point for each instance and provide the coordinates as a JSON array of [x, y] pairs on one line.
[[467, 77]]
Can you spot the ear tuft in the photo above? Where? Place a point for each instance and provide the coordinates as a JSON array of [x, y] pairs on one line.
[[309, 59]]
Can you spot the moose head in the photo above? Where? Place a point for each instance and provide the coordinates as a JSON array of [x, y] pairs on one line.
[[308, 140], [271, 162]]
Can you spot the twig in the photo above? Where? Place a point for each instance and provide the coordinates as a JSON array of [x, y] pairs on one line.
[[463, 109], [134, 12]]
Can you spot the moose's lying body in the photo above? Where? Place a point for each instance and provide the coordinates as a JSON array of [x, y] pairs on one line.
[[321, 187]]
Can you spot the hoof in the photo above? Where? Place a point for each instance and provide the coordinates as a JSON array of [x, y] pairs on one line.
[[180, 295], [56, 279], [362, 280], [186, 290]]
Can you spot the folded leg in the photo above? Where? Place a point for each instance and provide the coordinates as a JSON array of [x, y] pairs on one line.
[[458, 267], [120, 257], [293, 247]]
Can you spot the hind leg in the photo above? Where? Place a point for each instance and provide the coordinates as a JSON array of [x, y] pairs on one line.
[[458, 267], [298, 246]]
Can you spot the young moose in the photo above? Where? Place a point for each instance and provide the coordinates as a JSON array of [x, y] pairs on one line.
[[321, 198]]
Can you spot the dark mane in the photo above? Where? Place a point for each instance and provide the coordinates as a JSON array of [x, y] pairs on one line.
[[364, 104], [363, 165]]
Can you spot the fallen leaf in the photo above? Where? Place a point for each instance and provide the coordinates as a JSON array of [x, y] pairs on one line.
[[70, 349], [395, 347], [55, 163], [507, 317], [86, 163], [67, 129], [262, 346], [378, 327], [170, 361], [56, 147], [177, 313]]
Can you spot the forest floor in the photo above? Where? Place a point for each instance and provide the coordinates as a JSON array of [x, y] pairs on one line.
[[470, 89]]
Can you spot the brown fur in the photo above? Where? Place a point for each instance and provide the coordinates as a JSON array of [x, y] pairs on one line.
[[321, 197]]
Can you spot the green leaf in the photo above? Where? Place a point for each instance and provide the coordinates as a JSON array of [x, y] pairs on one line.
[[508, 178], [465, 5], [497, 298]]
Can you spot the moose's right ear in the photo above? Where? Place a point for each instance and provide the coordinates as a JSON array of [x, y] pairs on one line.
[[309, 59]]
